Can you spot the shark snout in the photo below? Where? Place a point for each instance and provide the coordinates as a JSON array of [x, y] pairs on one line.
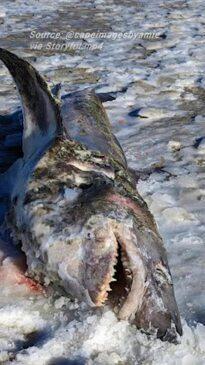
[[159, 312]]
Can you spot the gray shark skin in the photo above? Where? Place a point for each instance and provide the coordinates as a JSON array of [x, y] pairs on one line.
[[75, 209]]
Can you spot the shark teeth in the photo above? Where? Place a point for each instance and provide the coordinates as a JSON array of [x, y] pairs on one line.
[[109, 289], [125, 261], [106, 287]]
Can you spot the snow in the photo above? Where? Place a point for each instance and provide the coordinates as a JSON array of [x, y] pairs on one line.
[[101, 338]]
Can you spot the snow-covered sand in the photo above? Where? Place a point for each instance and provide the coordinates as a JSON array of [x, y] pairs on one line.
[[159, 118]]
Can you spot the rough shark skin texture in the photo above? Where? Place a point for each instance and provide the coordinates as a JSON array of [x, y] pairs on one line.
[[78, 215]]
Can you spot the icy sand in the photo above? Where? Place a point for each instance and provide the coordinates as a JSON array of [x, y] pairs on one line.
[[159, 119]]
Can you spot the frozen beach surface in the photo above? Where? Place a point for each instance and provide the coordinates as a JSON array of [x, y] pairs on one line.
[[89, 338], [159, 117]]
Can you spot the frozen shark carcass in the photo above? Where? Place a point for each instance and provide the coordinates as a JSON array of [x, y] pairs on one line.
[[73, 206]]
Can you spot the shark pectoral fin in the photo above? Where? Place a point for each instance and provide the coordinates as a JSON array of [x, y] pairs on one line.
[[42, 121], [41, 125]]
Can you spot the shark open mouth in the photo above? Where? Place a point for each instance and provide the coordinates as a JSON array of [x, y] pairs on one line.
[[121, 283], [123, 286]]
